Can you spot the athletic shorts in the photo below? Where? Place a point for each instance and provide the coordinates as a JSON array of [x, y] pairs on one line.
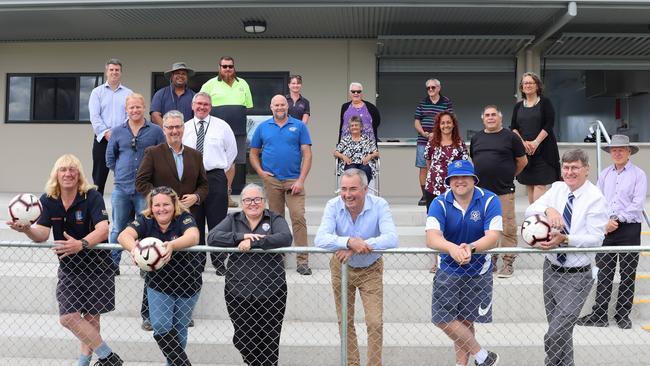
[[461, 298], [87, 293]]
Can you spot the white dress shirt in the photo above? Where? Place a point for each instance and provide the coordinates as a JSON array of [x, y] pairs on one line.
[[219, 145], [588, 221]]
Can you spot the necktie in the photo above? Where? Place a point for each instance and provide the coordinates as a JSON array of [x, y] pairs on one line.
[[566, 216], [200, 136]]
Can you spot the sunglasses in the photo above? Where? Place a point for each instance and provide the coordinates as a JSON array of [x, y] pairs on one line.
[[432, 87], [356, 91], [227, 66], [161, 189], [134, 143]]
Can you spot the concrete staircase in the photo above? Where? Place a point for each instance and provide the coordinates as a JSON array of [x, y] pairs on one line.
[[30, 333]]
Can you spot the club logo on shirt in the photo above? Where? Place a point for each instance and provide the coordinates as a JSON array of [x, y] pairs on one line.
[[79, 216], [475, 216], [266, 226], [293, 129], [187, 220]]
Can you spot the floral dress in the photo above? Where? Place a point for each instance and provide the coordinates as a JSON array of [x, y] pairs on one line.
[[440, 157], [356, 150]]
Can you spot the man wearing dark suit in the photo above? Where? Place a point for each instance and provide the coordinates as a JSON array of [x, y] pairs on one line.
[[176, 166]]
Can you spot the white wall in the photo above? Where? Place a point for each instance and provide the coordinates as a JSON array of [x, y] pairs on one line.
[[327, 67]]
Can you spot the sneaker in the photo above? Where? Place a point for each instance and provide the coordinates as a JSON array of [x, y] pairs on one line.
[[422, 201], [146, 325], [232, 203], [191, 324], [491, 360], [112, 360], [624, 323], [506, 271], [593, 320], [303, 269]]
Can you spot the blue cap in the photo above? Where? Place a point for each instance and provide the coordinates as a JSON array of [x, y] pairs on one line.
[[460, 168]]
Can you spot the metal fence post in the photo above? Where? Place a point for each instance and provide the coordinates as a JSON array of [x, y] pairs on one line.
[[344, 314]]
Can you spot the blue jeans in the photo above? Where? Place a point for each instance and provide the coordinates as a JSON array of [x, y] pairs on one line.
[[170, 311], [125, 207]]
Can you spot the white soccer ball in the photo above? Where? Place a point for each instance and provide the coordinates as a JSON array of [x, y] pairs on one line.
[[25, 209], [149, 253], [535, 229]]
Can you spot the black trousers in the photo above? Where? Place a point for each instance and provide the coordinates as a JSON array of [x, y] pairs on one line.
[[214, 210], [626, 234], [258, 324], [100, 170]]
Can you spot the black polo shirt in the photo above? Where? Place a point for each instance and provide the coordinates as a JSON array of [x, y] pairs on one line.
[[86, 211], [182, 275], [298, 109]]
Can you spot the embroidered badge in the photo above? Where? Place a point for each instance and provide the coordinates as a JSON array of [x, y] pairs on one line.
[[266, 226], [475, 216], [187, 220], [293, 129], [79, 215], [458, 164]]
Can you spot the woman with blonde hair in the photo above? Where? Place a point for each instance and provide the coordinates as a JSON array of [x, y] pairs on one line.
[[173, 290], [74, 212]]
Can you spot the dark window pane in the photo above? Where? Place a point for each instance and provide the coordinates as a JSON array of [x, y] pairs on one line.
[[19, 98], [86, 86], [55, 98]]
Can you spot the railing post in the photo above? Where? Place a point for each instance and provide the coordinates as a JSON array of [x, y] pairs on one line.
[[598, 158], [344, 314]]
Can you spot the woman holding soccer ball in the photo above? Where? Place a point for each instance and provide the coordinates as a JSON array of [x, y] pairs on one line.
[[74, 212], [256, 288], [172, 290]]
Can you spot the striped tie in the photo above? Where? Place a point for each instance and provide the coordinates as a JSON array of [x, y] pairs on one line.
[[566, 217], [200, 136]]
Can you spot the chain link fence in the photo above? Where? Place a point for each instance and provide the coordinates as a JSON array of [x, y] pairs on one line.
[[389, 302]]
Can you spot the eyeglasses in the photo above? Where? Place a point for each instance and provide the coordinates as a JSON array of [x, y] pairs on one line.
[[571, 168], [255, 200], [174, 127], [227, 66], [161, 189], [529, 83], [356, 91], [490, 114], [432, 87], [134, 143]]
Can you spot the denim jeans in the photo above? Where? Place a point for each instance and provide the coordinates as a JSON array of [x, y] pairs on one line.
[[170, 311], [125, 207]]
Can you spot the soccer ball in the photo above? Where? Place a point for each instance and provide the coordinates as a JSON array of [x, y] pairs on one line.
[[149, 253], [25, 209], [535, 229]]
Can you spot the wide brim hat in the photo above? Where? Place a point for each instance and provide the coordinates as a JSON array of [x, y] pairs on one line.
[[621, 141], [460, 168], [179, 66]]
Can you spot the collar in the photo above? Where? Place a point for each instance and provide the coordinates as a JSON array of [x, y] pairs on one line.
[[578, 192], [288, 96], [368, 204], [174, 151], [241, 217], [478, 194], [627, 166], [219, 78], [196, 120], [119, 86], [146, 124]]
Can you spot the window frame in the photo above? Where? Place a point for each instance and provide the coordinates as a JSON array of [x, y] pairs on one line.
[[33, 76]]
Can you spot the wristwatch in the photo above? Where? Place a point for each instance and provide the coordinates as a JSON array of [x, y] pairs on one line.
[[565, 242], [84, 243], [472, 248]]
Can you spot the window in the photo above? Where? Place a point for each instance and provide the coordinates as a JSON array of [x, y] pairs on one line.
[[264, 85], [50, 98]]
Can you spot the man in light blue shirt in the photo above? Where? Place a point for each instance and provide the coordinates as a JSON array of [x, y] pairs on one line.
[[355, 224], [107, 106]]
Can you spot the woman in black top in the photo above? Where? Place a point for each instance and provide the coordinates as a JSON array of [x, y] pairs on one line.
[[172, 290], [532, 120], [256, 288]]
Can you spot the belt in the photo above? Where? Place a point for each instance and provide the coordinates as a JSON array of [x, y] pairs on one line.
[[561, 269], [214, 170]]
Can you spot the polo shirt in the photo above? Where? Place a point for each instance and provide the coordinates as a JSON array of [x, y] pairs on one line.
[[281, 154], [79, 220], [427, 111], [465, 226], [181, 276], [299, 108], [223, 94], [166, 100]]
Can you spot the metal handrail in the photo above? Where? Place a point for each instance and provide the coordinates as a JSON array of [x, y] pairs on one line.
[[600, 129]]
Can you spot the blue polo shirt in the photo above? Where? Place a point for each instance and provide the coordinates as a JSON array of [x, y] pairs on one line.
[[166, 100], [459, 226], [123, 159], [181, 276], [79, 220], [281, 154]]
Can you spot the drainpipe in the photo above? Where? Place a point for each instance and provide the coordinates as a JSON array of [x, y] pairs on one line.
[[571, 12]]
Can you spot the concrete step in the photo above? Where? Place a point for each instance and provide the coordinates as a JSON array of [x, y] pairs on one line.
[[407, 295], [315, 343]]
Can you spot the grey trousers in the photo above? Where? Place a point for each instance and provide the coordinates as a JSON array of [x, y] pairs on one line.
[[564, 296]]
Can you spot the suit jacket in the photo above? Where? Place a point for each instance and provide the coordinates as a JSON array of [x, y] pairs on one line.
[[159, 169]]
